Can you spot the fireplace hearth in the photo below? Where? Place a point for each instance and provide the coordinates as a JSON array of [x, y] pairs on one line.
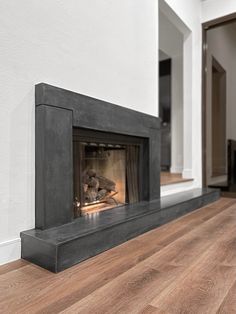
[[97, 179]]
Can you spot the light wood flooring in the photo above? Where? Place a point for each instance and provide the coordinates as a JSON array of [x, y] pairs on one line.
[[186, 266], [172, 178]]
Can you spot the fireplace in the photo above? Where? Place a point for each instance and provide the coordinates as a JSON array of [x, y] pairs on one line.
[[91, 156], [107, 170], [96, 171], [97, 179]]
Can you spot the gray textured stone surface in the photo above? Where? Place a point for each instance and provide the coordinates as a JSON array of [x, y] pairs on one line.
[[59, 248], [54, 167], [57, 112]]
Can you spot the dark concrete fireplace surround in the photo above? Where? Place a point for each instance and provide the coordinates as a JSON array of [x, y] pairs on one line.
[[60, 241]]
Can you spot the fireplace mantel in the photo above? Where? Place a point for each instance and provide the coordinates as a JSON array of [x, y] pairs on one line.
[[58, 111]]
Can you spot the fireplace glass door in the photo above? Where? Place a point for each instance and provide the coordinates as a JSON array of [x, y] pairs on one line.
[[106, 174]]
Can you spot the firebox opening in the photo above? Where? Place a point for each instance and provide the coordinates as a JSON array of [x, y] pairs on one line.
[[106, 173]]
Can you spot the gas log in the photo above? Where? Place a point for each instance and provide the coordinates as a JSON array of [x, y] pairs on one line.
[[106, 184], [96, 187]]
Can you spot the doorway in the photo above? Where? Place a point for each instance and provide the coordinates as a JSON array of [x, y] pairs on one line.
[[176, 47], [218, 110], [218, 127], [165, 111], [170, 100]]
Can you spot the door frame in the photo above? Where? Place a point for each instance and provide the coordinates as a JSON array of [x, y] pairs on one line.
[[222, 74], [205, 27]]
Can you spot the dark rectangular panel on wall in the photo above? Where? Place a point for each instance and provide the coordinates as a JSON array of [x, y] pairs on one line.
[[54, 166]]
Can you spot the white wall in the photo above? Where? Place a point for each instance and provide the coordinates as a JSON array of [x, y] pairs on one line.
[[189, 14], [105, 49], [170, 38], [222, 46], [212, 9], [177, 153]]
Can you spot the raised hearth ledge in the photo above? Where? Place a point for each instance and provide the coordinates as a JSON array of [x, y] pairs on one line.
[[61, 247]]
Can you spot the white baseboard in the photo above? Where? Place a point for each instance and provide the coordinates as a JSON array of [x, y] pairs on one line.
[[10, 251], [187, 174], [176, 169], [177, 188]]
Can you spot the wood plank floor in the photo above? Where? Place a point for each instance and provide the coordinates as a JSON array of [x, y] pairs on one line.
[[186, 266], [168, 178]]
